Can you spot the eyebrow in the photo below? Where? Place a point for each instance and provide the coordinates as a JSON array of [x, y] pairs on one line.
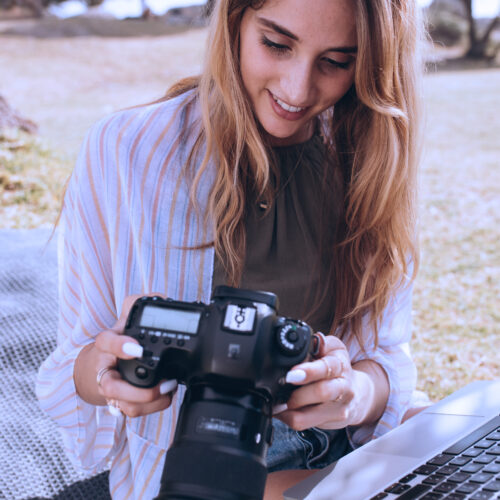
[[283, 31]]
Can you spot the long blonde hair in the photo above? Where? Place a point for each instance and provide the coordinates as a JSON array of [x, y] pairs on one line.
[[373, 133]]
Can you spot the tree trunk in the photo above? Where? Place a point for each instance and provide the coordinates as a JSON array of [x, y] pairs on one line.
[[9, 118], [470, 22], [478, 47], [35, 6], [209, 5]]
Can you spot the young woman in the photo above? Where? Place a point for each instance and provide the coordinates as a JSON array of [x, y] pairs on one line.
[[287, 166]]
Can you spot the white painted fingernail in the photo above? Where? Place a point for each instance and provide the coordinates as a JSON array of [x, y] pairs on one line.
[[114, 411], [280, 408], [132, 349], [167, 386], [295, 376]]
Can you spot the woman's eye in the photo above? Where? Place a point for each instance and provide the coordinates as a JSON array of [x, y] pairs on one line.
[[332, 64], [275, 47]]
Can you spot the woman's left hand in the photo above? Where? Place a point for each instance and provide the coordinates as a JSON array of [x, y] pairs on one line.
[[331, 392]]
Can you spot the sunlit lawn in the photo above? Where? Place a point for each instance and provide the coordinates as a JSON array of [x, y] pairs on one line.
[[457, 294]]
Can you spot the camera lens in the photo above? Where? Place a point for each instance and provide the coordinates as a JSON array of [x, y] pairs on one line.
[[219, 448]]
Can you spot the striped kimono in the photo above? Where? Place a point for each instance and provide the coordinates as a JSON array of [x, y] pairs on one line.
[[125, 222]]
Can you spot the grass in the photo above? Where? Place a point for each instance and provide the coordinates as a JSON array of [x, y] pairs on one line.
[[32, 178], [456, 316]]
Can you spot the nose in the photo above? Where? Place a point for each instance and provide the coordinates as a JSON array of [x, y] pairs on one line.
[[297, 83]]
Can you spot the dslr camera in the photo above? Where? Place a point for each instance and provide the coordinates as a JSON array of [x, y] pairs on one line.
[[232, 355]]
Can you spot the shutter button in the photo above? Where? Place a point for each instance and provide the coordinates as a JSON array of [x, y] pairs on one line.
[[141, 372]]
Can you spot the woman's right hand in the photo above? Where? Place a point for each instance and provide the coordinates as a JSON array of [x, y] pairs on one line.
[[111, 345]]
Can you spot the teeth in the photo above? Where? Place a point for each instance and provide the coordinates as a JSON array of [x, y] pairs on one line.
[[287, 107]]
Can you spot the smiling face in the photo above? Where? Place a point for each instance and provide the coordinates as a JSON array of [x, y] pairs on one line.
[[297, 59]]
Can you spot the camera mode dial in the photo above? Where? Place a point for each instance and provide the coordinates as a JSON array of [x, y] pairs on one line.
[[291, 339]]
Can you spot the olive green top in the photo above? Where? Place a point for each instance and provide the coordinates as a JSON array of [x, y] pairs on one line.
[[282, 252]]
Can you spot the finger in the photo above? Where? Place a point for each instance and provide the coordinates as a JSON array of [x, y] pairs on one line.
[[333, 361], [128, 302], [325, 416], [138, 410], [120, 346], [114, 387], [114, 408], [127, 305], [331, 344], [279, 408], [337, 390], [327, 367], [112, 340]]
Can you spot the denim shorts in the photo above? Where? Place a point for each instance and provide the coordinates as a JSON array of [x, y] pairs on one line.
[[308, 449]]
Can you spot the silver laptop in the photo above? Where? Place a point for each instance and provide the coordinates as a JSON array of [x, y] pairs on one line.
[[449, 451]]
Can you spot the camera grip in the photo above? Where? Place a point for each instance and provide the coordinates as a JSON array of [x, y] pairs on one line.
[[136, 373]]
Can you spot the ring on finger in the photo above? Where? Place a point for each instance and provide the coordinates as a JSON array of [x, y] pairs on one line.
[[338, 398], [101, 374], [344, 365], [329, 371]]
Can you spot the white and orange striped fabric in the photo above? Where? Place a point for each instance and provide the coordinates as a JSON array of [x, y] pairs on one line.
[[126, 220]]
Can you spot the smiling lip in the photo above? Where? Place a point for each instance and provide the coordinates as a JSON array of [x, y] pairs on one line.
[[286, 113]]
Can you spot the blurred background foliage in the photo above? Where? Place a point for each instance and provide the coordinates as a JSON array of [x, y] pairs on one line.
[[452, 22], [449, 21]]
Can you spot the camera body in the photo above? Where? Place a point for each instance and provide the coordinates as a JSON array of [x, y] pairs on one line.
[[233, 355], [237, 340]]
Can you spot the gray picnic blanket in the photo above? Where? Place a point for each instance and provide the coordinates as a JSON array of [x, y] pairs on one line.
[[33, 464]]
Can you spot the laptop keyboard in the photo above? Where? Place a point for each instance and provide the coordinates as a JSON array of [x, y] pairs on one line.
[[469, 469]]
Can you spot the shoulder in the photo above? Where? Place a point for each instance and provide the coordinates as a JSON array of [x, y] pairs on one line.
[[142, 138], [144, 127]]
